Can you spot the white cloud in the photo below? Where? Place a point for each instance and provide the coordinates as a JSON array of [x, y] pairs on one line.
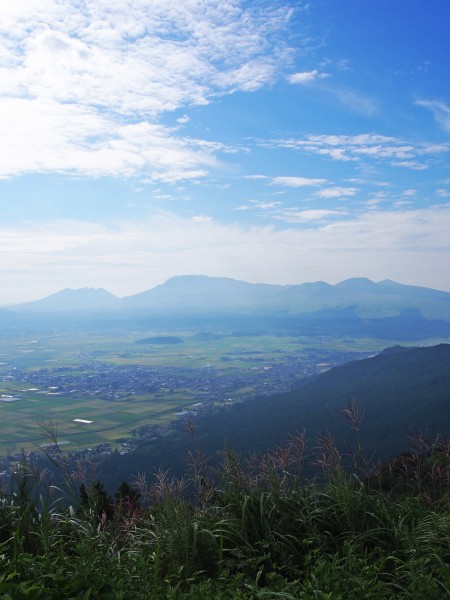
[[297, 181], [336, 192], [76, 75], [44, 136], [306, 76]]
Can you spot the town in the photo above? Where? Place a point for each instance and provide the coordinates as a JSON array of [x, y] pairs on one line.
[[159, 396]]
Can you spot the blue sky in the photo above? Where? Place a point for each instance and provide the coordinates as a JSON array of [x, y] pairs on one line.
[[269, 141]]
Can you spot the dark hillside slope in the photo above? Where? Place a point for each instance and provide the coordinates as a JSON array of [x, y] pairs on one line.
[[399, 390]]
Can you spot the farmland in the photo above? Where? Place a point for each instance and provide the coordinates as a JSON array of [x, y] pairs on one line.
[[100, 387]]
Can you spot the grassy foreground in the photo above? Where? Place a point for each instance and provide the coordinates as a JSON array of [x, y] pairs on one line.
[[251, 529]]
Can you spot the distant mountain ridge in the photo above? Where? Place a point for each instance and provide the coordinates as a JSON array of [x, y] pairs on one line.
[[199, 291], [202, 294]]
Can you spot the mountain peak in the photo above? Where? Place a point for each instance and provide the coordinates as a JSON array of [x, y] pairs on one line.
[[70, 299], [357, 283]]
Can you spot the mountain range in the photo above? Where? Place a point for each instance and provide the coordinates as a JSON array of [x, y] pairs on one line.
[[199, 294]]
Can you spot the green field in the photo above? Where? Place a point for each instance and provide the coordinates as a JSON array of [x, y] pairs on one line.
[[21, 420], [81, 352]]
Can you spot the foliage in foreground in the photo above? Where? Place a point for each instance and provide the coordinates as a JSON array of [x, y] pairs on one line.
[[251, 529]]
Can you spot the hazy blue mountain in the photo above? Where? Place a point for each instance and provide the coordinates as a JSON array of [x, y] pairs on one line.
[[371, 300], [6, 315], [68, 300], [409, 324], [200, 294]]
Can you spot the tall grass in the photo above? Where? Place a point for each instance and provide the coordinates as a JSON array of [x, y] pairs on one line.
[[251, 528]]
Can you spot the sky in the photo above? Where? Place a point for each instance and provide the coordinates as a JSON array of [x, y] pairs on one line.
[[268, 141]]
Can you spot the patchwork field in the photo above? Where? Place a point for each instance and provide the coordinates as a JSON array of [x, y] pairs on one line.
[[22, 420], [63, 375]]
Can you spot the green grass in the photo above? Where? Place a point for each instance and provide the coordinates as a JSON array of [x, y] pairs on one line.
[[251, 529]]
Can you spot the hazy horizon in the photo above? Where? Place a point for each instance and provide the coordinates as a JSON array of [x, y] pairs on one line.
[[275, 142]]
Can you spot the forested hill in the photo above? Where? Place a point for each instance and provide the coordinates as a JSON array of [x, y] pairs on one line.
[[400, 390]]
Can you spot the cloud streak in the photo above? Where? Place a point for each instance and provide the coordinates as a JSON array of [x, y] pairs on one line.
[[366, 146], [440, 110]]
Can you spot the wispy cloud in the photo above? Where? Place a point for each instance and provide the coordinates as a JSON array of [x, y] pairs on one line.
[[354, 100], [440, 110], [410, 164], [365, 146], [311, 215], [349, 98], [265, 205], [77, 79]]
